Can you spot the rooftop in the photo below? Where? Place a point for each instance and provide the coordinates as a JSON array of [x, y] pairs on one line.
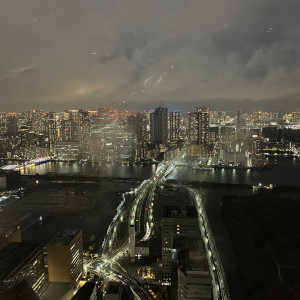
[[64, 237], [180, 211], [7, 231]]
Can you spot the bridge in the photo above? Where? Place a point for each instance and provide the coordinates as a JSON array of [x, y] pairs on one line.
[[29, 163], [139, 205]]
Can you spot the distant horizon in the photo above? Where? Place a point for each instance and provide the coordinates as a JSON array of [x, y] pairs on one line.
[[292, 104]]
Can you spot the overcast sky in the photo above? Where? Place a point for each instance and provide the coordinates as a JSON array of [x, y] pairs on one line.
[[58, 54]]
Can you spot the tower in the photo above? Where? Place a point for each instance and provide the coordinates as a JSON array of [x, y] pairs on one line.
[[159, 125], [199, 125], [51, 131], [174, 125]]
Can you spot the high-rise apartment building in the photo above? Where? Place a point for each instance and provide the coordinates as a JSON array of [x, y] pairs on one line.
[[199, 126], [174, 125], [51, 132], [141, 127], [84, 134], [159, 125], [65, 260]]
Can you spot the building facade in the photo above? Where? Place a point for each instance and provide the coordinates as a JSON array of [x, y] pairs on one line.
[[65, 257]]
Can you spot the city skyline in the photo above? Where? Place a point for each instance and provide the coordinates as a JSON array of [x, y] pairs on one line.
[[219, 54]]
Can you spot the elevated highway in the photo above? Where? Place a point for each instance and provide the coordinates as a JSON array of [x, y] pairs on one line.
[[140, 204]]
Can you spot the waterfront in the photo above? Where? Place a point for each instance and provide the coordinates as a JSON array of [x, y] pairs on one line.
[[286, 173]]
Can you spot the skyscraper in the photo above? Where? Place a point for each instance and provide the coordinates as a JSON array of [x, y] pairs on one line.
[[174, 125], [199, 125], [159, 125], [51, 131], [84, 134]]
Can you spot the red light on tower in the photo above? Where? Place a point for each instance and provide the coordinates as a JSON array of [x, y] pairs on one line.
[[19, 227]]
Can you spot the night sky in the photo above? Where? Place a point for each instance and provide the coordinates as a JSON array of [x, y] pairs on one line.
[[58, 54]]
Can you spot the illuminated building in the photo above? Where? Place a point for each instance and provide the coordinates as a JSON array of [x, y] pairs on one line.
[[199, 126], [84, 134], [65, 260], [19, 262], [51, 131], [174, 125], [141, 127], [142, 138], [66, 150]]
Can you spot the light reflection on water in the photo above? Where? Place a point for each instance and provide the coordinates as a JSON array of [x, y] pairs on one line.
[[286, 173]]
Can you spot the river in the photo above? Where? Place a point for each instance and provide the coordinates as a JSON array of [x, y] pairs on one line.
[[285, 173]]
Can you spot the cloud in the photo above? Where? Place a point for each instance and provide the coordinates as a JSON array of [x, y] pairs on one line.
[[209, 49], [15, 72]]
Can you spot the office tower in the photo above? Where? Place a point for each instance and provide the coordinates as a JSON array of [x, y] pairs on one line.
[[65, 260], [174, 125], [199, 126], [19, 262], [159, 125], [9, 235]]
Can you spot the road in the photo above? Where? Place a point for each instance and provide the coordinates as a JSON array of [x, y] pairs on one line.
[[219, 283], [141, 203]]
